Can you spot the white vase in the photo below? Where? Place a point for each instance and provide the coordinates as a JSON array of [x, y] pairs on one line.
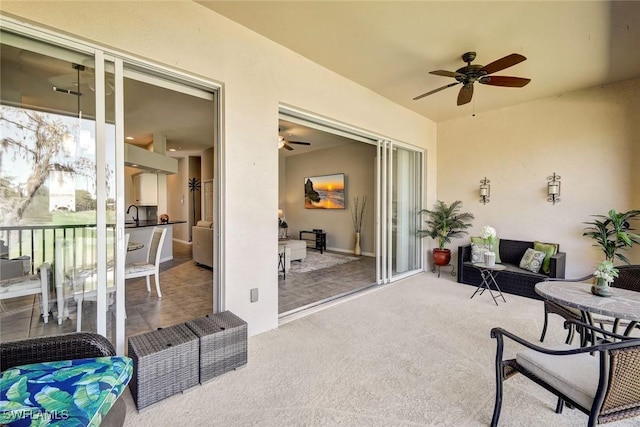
[[489, 259], [356, 250]]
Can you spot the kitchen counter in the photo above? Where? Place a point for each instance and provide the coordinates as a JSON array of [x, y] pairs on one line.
[[149, 223]]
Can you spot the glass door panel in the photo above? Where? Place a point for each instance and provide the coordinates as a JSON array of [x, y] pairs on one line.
[[48, 177], [405, 205]]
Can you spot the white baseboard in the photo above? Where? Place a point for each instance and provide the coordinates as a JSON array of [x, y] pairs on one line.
[[350, 251]]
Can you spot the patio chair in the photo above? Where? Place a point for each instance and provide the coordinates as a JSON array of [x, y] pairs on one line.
[[61, 347], [628, 278], [602, 380], [152, 264], [35, 284]]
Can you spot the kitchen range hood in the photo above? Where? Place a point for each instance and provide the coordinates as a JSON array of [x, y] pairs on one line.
[[148, 160]]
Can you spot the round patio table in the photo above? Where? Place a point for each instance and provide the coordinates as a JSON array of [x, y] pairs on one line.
[[622, 305]]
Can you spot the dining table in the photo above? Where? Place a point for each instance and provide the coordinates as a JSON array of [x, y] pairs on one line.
[[134, 246], [623, 304]]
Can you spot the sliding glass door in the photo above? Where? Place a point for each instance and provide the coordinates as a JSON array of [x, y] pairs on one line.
[[399, 182], [58, 179]]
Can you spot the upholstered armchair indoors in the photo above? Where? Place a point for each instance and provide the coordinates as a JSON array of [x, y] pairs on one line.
[[601, 380]]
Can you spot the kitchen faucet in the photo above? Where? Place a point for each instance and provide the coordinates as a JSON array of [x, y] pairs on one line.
[[135, 218]]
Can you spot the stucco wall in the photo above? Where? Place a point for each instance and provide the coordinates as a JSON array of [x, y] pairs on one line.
[[257, 75], [590, 138]]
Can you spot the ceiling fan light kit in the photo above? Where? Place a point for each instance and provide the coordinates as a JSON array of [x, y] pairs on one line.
[[470, 74]]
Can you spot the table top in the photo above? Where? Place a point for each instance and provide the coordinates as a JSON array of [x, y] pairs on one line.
[[134, 246], [623, 304], [495, 267]]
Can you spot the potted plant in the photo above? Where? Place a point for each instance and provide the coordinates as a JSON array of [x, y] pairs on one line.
[[613, 233], [444, 223], [605, 274]]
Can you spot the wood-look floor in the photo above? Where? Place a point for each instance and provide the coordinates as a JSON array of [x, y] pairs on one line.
[[187, 293]]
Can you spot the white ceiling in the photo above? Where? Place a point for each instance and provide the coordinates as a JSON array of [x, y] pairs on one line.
[[390, 46]]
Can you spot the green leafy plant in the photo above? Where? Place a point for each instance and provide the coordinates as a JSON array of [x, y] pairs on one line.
[[446, 222], [613, 233]]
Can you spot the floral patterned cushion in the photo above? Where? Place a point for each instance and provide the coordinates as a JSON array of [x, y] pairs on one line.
[[63, 393], [532, 260]]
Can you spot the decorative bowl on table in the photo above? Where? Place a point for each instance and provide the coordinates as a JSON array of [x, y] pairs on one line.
[[164, 218]]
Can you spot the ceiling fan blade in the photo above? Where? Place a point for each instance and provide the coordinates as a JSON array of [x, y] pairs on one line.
[[465, 94], [288, 147], [502, 63], [504, 81], [299, 142], [435, 90], [444, 73]]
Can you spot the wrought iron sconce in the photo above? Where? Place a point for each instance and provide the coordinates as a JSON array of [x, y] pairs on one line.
[[485, 191], [553, 188]]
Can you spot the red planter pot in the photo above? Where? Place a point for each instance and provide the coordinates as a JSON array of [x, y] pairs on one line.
[[441, 257]]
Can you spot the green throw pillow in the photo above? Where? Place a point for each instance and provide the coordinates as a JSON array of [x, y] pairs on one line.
[[550, 249], [532, 260], [495, 247]]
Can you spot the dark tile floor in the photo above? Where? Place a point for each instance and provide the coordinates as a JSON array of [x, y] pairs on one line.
[[301, 289], [186, 294]]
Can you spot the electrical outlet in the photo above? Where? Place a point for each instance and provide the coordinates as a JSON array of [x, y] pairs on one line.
[[254, 294]]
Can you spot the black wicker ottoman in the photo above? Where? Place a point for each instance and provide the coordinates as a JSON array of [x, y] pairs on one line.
[[223, 343], [165, 362]]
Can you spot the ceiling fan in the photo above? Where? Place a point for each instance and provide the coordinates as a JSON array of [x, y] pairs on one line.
[[284, 143], [470, 74]]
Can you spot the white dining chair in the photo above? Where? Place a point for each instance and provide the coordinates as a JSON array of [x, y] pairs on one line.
[[87, 290], [152, 264]]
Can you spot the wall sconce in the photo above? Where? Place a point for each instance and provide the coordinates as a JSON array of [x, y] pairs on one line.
[[485, 191], [553, 188]]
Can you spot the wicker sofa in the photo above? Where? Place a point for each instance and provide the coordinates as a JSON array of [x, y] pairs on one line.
[[77, 345], [513, 280]]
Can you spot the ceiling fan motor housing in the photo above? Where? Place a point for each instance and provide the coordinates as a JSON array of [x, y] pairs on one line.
[[470, 73]]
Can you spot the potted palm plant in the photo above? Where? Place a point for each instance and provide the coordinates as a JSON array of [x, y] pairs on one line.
[[445, 222], [613, 234]]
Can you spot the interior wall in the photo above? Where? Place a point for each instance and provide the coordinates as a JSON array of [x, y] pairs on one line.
[[177, 195], [257, 75], [590, 138], [356, 161]]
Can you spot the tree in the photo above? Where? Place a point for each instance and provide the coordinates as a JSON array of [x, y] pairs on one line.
[[37, 139], [85, 201]]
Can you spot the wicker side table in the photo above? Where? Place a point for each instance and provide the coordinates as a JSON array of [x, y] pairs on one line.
[[165, 362], [223, 343]]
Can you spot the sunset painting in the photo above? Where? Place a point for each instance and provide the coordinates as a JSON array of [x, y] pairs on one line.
[[324, 192]]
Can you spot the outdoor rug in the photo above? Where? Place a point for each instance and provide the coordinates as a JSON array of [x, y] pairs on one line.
[[316, 261]]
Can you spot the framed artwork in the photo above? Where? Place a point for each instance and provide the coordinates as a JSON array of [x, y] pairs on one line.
[[324, 192]]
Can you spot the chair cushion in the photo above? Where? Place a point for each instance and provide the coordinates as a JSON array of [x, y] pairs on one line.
[[72, 392], [205, 224], [139, 267], [574, 375], [532, 260]]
